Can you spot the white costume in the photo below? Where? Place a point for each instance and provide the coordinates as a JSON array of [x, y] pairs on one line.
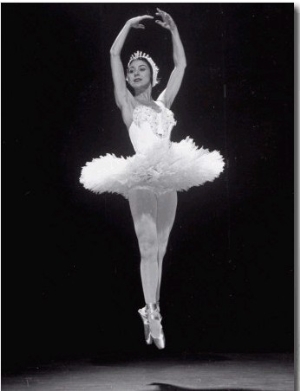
[[159, 164]]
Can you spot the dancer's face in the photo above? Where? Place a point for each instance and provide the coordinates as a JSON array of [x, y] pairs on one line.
[[139, 74]]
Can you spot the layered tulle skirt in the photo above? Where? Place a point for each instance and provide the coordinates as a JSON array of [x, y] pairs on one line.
[[178, 166]]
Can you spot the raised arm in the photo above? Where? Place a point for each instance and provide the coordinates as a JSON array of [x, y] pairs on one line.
[[174, 83], [120, 89]]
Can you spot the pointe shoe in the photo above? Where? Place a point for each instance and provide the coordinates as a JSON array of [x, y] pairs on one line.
[[144, 316], [156, 330]]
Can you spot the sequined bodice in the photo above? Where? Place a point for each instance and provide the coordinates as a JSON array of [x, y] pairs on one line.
[[150, 127]]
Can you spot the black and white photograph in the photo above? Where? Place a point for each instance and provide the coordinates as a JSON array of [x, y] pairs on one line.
[[148, 196]]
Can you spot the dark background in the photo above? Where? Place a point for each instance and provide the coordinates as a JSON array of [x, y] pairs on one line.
[[70, 260]]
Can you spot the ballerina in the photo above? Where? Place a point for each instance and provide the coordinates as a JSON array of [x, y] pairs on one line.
[[151, 178]]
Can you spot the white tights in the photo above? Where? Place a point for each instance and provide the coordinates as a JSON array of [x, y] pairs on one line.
[[153, 218]]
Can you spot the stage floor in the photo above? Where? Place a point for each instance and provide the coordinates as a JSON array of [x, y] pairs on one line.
[[215, 372]]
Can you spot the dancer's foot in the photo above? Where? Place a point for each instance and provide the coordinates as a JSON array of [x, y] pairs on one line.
[[144, 316], [156, 330]]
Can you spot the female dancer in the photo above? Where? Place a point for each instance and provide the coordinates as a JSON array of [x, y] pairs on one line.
[[151, 178]]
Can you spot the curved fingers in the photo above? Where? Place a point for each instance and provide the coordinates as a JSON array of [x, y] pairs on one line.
[[167, 21], [146, 17], [163, 24], [163, 14]]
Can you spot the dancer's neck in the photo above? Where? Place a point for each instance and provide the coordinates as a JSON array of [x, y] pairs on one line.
[[144, 96]]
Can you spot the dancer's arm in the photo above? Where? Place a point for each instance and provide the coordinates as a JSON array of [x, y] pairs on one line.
[[174, 83], [120, 89]]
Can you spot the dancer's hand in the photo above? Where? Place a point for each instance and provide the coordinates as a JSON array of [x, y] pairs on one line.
[[167, 21], [135, 22]]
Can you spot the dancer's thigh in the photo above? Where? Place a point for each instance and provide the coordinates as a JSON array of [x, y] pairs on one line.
[[143, 206], [166, 211]]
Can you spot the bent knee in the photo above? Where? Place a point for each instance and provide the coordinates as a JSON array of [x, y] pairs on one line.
[[146, 232], [149, 250], [145, 227]]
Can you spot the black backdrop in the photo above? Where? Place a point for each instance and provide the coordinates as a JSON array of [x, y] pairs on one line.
[[70, 260]]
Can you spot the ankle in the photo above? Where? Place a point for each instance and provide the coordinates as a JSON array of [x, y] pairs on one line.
[[151, 306]]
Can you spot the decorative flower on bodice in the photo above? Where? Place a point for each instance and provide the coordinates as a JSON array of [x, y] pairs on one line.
[[161, 122]]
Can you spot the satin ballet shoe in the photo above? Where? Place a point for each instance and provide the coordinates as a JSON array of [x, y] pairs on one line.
[[144, 316], [156, 330]]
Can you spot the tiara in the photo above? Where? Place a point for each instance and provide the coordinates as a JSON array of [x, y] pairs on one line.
[[155, 69]]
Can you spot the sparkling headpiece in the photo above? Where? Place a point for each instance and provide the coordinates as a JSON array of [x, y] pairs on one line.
[[137, 55]]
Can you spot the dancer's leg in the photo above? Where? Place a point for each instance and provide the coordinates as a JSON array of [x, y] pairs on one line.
[[166, 210], [143, 206]]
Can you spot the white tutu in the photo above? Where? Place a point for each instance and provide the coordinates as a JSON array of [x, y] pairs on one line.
[[179, 166], [159, 164]]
